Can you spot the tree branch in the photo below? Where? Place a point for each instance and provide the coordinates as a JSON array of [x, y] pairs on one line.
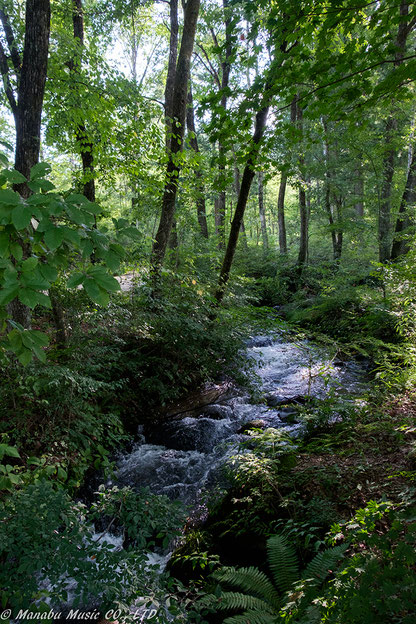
[[210, 67], [4, 69], [11, 42], [344, 78]]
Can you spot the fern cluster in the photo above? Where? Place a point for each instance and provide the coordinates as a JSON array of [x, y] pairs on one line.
[[265, 600]]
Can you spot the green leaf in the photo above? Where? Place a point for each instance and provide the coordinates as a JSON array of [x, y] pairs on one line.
[[29, 264], [28, 297], [77, 198], [49, 272], [13, 176], [41, 185], [9, 197], [25, 357], [40, 170], [54, 237], [21, 216], [75, 280], [96, 293], [8, 294], [4, 245], [17, 251], [103, 279]]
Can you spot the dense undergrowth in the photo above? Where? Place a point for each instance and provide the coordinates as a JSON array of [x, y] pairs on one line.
[[348, 483]]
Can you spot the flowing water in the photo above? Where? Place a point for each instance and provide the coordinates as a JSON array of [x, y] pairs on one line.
[[184, 456]]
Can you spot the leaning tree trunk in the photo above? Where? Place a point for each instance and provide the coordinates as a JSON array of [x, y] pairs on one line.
[[180, 96], [27, 102], [199, 181], [248, 175], [237, 186], [404, 221]]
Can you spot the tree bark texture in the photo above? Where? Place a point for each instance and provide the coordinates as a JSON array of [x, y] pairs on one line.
[[303, 211], [32, 88], [222, 151], [384, 224], [85, 144], [180, 96], [262, 212], [199, 180], [27, 102], [248, 176], [170, 78], [281, 214], [404, 221]]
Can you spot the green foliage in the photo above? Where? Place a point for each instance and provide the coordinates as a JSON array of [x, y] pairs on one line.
[[376, 583], [263, 601], [145, 518], [45, 542]]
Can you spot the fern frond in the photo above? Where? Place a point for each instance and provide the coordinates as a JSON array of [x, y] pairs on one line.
[[235, 601], [250, 580], [324, 561], [283, 562], [251, 617]]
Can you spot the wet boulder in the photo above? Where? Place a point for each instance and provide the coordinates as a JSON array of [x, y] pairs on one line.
[[275, 400], [217, 412], [253, 424]]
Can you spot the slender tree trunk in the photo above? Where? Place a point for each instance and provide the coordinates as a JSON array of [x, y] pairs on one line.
[[404, 220], [200, 190], [170, 78], [384, 225], [262, 212], [180, 96], [303, 211], [32, 88], [281, 213], [27, 106], [248, 175], [85, 144], [359, 191], [169, 88], [385, 204], [222, 151]]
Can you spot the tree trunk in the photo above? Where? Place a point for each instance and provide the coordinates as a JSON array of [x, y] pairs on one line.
[[200, 190], [170, 78], [303, 211], [180, 96], [281, 214], [31, 88], [385, 204], [248, 175], [262, 212], [237, 187], [222, 152], [359, 192], [404, 221], [389, 158], [27, 105], [85, 144]]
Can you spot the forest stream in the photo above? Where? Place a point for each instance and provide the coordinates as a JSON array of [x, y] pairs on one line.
[[185, 457]]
